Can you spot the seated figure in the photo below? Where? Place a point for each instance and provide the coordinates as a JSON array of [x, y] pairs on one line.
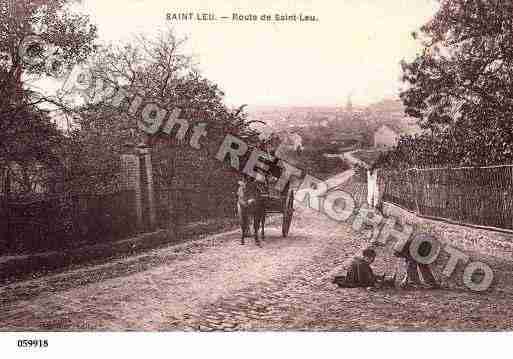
[[359, 273]]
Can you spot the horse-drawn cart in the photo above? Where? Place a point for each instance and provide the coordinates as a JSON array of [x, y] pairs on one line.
[[257, 199], [281, 203]]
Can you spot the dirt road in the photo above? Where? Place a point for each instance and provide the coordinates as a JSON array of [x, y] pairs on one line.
[[217, 284]]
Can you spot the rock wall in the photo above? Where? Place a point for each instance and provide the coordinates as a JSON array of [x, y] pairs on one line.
[[489, 242]]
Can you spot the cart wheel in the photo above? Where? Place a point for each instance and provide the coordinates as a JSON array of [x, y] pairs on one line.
[[287, 214]]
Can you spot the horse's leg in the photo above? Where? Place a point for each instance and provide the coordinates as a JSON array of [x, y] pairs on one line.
[[243, 218], [256, 224], [262, 219]]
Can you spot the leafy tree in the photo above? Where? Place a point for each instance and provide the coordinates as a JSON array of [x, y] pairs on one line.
[[37, 39], [159, 70], [29, 150], [461, 86]]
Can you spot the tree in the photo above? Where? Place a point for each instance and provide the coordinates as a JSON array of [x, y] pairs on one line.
[[461, 86], [158, 69], [37, 39], [29, 150]]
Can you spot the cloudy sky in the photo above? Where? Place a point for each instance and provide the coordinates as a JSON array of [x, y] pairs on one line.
[[354, 48]]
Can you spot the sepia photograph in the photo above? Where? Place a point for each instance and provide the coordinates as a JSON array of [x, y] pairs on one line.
[[256, 178]]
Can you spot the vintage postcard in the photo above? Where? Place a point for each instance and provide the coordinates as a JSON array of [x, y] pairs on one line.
[[255, 167]]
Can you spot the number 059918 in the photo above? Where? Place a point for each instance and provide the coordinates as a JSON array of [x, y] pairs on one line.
[[32, 343]]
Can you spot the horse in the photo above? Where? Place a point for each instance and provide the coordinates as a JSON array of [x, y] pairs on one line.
[[250, 204], [254, 200]]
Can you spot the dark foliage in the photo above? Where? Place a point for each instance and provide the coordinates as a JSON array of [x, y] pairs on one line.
[[460, 87]]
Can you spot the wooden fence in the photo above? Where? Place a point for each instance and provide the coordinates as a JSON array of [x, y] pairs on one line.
[[469, 195]]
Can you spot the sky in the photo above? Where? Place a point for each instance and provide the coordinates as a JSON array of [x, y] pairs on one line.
[[353, 49]]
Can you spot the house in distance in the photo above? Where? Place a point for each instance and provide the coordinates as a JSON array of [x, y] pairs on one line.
[[387, 135]]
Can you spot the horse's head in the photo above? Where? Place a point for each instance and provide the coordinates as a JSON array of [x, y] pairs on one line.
[[242, 192], [247, 191]]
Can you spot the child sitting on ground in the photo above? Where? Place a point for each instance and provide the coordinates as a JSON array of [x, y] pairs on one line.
[[360, 272]]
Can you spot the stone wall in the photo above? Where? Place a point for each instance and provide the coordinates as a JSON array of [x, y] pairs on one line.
[[489, 242]]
